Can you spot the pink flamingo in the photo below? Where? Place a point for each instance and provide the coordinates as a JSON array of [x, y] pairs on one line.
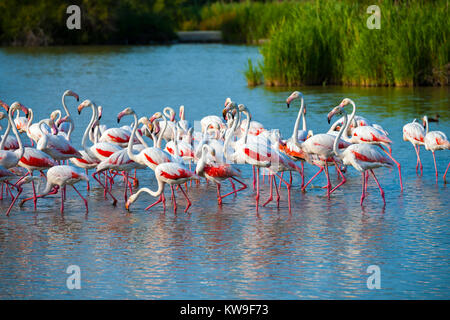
[[246, 151], [101, 150], [10, 158], [57, 178], [363, 157], [217, 172], [435, 140], [171, 173], [415, 133], [290, 146], [371, 135]]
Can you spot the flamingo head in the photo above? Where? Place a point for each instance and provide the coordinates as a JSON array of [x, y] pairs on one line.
[[54, 115], [345, 102], [424, 121], [130, 200], [83, 105], [16, 106], [124, 112], [157, 115], [99, 112], [294, 95], [4, 105], [227, 101], [228, 108], [181, 115], [71, 93], [336, 110]]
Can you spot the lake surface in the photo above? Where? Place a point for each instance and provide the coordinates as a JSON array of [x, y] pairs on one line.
[[321, 250]]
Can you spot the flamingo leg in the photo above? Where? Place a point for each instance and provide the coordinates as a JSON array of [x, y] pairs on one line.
[[126, 186], [161, 199], [398, 166], [302, 174], [174, 200], [363, 193], [420, 161], [219, 198], [435, 166], [136, 181], [417, 163], [84, 200], [328, 180], [19, 191], [187, 199], [367, 181], [278, 194], [320, 170], [244, 186], [254, 178], [1, 195], [445, 174], [54, 191], [271, 190], [257, 189], [232, 185], [62, 201], [341, 174], [98, 180], [379, 186], [288, 186], [88, 187], [34, 194]]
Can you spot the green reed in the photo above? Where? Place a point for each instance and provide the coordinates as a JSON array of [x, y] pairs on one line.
[[328, 42]]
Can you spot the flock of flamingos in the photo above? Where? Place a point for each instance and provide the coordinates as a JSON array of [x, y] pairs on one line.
[[214, 150]]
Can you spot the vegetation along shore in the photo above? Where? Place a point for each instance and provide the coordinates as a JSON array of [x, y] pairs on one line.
[[302, 42]]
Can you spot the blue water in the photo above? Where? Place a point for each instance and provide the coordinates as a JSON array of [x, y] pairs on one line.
[[321, 250]]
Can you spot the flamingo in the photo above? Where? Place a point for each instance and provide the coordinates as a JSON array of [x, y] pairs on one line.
[[371, 135], [172, 173], [318, 150], [217, 172], [250, 152], [363, 157], [290, 146], [415, 133], [149, 156], [9, 158], [99, 151], [57, 178], [435, 140], [57, 146], [10, 141]]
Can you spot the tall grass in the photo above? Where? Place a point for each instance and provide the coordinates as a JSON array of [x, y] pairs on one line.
[[328, 42]]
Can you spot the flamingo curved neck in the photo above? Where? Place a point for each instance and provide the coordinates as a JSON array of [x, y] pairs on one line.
[[229, 134], [64, 104], [297, 121], [156, 193], [161, 134], [86, 132], [341, 131], [12, 126]]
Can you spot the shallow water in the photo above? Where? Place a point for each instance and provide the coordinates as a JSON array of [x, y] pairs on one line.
[[321, 250]]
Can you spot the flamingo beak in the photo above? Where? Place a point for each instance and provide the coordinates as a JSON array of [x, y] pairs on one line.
[[224, 113]]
